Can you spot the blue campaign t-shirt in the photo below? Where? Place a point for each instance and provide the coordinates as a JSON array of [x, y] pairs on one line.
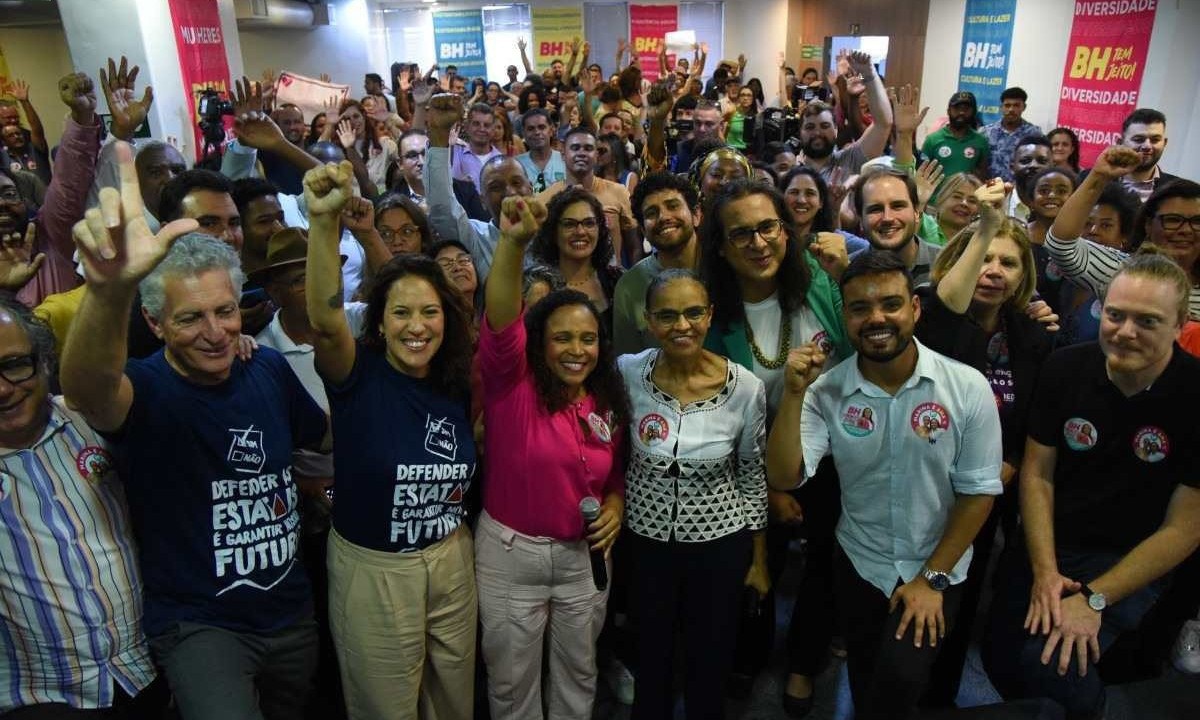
[[403, 457], [208, 477]]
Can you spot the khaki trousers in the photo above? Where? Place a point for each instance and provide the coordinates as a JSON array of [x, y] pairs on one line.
[[536, 592], [404, 628]]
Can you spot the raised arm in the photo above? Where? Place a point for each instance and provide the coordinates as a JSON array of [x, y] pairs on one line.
[[126, 111], [326, 190], [346, 139], [254, 128], [569, 74], [909, 115], [37, 133], [1113, 163], [519, 221], [875, 137], [358, 215], [658, 109], [785, 94], [785, 453], [957, 287], [117, 250], [524, 56]]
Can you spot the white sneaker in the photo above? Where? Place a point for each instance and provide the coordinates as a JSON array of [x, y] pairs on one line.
[[1186, 656], [621, 681]]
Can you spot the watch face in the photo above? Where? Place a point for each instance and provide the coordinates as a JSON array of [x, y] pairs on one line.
[[937, 580], [1097, 602]]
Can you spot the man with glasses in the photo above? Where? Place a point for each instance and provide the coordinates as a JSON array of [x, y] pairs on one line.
[[543, 165], [580, 144], [66, 527], [915, 438], [1110, 494]]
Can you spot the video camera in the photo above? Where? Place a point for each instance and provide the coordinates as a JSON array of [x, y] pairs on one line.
[[781, 125], [211, 107]]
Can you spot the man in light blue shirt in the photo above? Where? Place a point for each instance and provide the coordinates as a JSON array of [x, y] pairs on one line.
[[542, 165], [915, 437]]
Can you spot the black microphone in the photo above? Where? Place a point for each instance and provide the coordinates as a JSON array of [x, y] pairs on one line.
[[589, 508]]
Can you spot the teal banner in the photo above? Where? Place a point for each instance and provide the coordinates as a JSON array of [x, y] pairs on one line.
[[458, 38], [987, 40]]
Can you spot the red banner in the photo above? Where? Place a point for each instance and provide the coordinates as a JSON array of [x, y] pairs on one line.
[[201, 47], [1103, 74], [647, 26]]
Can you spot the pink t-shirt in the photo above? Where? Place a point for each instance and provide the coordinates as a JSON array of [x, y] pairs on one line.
[[538, 464]]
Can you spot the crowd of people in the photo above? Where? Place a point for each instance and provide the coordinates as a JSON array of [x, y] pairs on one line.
[[456, 397]]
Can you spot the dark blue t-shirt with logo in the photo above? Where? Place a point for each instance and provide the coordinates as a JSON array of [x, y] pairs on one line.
[[403, 457], [208, 476]]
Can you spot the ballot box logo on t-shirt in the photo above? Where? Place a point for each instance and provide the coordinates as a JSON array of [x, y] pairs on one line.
[[1080, 434], [440, 438], [944, 151], [1151, 444], [929, 420], [246, 454], [969, 152]]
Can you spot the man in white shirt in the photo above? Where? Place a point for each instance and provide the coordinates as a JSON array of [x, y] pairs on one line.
[[915, 437]]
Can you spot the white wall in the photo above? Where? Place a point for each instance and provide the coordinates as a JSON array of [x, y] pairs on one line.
[[1041, 31], [759, 29], [39, 56]]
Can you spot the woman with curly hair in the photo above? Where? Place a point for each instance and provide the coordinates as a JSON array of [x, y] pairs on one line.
[[555, 410], [575, 240], [1064, 148], [402, 599]]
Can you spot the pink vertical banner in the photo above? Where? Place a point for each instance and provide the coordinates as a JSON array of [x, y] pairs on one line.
[[1103, 74], [648, 24], [200, 45]]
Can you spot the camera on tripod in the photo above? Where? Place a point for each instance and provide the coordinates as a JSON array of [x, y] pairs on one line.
[[781, 125], [211, 107]]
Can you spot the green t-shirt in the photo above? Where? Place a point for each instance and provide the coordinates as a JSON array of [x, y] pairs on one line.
[[630, 334], [956, 154]]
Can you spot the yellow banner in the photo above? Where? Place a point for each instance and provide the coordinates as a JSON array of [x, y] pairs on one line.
[[553, 30], [4, 78]]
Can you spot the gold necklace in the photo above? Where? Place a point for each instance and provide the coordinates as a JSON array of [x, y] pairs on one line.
[[785, 342]]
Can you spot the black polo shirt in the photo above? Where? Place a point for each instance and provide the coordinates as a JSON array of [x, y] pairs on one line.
[[1119, 458]]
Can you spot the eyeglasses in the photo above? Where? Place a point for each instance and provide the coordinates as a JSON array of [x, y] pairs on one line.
[[669, 318], [1172, 222], [570, 224], [768, 230], [10, 194], [414, 154], [462, 261], [19, 369], [408, 232]]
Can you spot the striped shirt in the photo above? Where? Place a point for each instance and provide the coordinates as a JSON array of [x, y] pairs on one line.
[[70, 592], [1093, 266]]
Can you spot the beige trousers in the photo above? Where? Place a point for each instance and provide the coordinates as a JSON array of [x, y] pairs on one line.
[[533, 593], [404, 628]]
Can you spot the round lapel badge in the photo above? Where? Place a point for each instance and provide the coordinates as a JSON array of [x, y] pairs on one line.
[[1080, 434]]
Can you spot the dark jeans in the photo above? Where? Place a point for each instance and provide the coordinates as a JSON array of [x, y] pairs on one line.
[[695, 588], [1012, 657], [149, 704], [887, 676], [812, 623], [218, 674]]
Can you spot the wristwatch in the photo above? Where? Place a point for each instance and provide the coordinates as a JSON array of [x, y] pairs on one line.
[[937, 580], [1095, 600]]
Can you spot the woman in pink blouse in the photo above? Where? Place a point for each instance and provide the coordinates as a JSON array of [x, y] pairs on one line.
[[554, 411]]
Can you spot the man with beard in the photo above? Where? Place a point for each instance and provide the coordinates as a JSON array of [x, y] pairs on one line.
[[580, 145], [543, 165], [886, 201], [958, 146], [667, 209], [501, 177], [1145, 130], [818, 131], [1110, 499], [1030, 157], [1007, 133], [915, 438], [284, 174]]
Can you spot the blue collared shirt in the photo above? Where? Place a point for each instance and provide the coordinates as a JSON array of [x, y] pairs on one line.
[[69, 583], [903, 459]]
